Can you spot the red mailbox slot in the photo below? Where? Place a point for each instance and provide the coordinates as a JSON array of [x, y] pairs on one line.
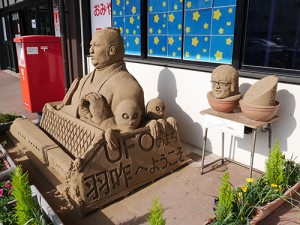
[[41, 70]]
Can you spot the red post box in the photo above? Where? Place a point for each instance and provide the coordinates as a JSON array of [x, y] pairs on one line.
[[41, 70]]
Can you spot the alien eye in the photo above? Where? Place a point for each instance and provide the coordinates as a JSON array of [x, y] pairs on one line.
[[125, 116], [163, 108], [157, 109], [135, 116]]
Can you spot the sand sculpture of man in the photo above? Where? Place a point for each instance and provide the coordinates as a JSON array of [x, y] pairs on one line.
[[225, 82], [95, 97]]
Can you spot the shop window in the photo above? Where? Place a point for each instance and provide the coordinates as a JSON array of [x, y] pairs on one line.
[[126, 15], [273, 34]]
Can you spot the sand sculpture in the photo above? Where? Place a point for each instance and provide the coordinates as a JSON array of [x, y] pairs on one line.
[[94, 145], [259, 102], [225, 95]]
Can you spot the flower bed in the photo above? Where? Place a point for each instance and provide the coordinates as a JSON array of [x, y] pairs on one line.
[[6, 120], [250, 203]]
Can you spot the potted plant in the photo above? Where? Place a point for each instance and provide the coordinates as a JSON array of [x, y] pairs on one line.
[[24, 204], [156, 213], [250, 203], [6, 119], [7, 165]]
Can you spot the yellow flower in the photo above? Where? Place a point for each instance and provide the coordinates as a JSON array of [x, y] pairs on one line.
[[249, 180], [240, 196], [274, 185], [244, 188]]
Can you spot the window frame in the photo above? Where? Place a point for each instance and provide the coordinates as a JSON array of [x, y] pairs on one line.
[[247, 71]]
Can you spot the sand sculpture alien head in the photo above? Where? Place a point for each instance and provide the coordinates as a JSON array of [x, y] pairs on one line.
[[128, 115], [224, 81], [155, 109], [107, 47]]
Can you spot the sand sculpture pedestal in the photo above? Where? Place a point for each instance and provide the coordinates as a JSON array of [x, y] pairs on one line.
[[74, 157]]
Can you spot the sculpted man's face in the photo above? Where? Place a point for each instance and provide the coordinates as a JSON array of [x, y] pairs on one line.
[[128, 115], [155, 109], [98, 49], [224, 81]]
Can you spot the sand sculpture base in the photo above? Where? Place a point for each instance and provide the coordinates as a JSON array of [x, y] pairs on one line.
[[73, 155]]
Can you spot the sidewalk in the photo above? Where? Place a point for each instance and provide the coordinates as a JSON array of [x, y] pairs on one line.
[[186, 195]]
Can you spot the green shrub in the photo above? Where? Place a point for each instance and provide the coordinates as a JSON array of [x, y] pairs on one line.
[[226, 198], [7, 117], [27, 210], [274, 165], [156, 213]]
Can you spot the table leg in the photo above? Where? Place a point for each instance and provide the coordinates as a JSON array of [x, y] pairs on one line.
[[270, 136], [252, 151], [223, 147], [203, 150]]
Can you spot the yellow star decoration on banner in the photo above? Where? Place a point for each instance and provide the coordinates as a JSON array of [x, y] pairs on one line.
[[164, 25], [118, 2], [137, 40], [164, 4], [221, 30], [165, 15], [187, 30], [114, 12], [228, 41], [187, 54], [205, 26], [230, 10], [179, 38], [156, 18], [115, 23], [195, 41], [127, 2], [179, 26], [179, 48], [189, 5], [163, 49], [173, 54], [150, 30], [196, 16], [133, 9], [218, 55], [198, 56], [175, 7], [204, 50], [121, 30], [217, 14], [131, 20], [156, 40], [206, 39], [121, 13], [159, 31], [228, 23], [170, 40], [127, 31], [150, 9], [134, 31], [171, 17], [150, 51]]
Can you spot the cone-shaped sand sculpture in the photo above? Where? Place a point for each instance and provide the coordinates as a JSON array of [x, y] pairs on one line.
[[259, 101]]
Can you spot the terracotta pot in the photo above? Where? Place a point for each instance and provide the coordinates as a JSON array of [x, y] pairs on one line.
[[226, 105], [258, 112], [264, 211]]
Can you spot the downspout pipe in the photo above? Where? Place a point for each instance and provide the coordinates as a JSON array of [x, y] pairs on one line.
[[63, 34]]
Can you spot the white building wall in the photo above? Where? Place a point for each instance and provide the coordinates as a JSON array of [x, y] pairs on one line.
[[184, 93]]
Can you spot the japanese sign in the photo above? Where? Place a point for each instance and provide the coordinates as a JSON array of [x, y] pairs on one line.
[[100, 14]]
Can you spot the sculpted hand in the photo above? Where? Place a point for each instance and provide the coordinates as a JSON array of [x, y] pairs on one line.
[[83, 109], [111, 139], [163, 124], [172, 121], [155, 127]]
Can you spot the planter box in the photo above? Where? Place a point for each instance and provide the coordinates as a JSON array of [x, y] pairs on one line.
[[8, 164], [264, 211], [50, 215], [5, 126]]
